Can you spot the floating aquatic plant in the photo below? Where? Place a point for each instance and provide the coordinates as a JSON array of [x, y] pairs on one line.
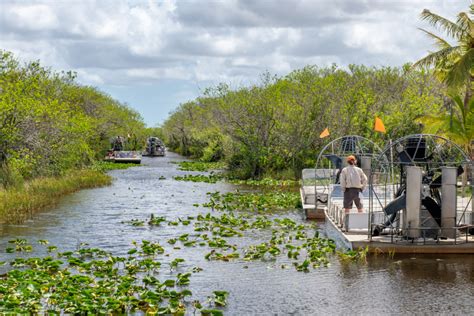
[[200, 166], [212, 178], [253, 202], [156, 221], [266, 182], [214, 255], [91, 280], [293, 240], [357, 255]]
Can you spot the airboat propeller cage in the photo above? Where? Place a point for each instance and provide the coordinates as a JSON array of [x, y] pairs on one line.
[[337, 150], [421, 173]]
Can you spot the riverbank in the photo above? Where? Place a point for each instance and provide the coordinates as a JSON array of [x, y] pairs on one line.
[[17, 204]]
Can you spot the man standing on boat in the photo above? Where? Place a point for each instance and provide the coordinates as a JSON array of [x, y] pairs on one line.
[[353, 181]]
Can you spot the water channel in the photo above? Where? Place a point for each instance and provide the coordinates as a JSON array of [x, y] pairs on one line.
[[403, 284]]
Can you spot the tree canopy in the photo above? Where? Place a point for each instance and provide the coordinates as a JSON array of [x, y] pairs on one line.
[[274, 126], [50, 124]]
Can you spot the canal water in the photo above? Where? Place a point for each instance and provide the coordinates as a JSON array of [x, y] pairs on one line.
[[98, 217]]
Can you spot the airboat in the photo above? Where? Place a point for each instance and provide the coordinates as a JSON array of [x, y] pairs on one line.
[[117, 154], [127, 157], [154, 147], [419, 198]]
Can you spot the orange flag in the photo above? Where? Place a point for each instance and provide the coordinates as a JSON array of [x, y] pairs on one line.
[[379, 127], [324, 133]]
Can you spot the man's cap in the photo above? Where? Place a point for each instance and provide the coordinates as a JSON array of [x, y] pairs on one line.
[[351, 158]]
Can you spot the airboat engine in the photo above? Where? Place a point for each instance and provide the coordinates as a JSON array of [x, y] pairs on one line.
[[422, 175], [433, 217]]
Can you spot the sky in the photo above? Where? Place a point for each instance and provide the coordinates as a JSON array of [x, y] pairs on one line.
[[155, 55]]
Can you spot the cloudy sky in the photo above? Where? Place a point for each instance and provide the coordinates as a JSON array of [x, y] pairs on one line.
[[154, 55]]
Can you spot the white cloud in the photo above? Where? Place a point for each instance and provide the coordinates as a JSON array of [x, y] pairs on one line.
[[89, 77], [123, 42], [201, 40], [377, 37], [37, 49], [148, 27], [180, 73], [225, 46], [33, 17]]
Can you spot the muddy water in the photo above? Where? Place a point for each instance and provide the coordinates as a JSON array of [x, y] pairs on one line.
[[410, 284]]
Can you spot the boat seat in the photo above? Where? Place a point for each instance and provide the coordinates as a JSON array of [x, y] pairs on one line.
[[322, 198]]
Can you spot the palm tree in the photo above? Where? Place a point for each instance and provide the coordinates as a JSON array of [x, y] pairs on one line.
[[453, 64], [458, 127]]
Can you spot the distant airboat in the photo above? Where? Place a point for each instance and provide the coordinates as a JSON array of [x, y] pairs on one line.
[[117, 154], [154, 147]]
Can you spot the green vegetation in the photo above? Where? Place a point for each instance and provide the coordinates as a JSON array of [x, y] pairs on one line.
[[51, 127], [456, 124], [200, 165], [16, 204], [453, 65], [265, 202], [266, 182], [212, 178], [91, 280], [262, 183], [273, 128], [358, 255], [299, 243], [53, 131], [51, 124]]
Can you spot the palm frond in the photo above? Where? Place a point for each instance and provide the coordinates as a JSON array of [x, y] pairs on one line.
[[457, 125], [461, 69], [440, 42], [437, 57], [434, 124], [451, 28], [458, 102], [465, 22]]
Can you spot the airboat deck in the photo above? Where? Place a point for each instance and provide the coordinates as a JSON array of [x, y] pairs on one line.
[[351, 230], [134, 157], [415, 201], [359, 239]]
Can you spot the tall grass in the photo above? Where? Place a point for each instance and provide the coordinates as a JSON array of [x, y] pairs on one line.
[[17, 204]]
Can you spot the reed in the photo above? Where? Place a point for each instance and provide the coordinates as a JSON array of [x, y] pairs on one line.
[[18, 204]]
